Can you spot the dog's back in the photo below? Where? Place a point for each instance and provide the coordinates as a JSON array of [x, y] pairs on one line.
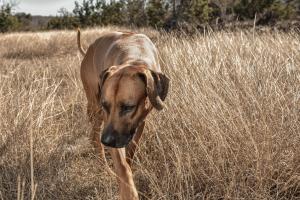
[[117, 48]]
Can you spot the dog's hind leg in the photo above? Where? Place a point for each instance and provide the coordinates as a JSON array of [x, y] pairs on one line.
[[131, 148]]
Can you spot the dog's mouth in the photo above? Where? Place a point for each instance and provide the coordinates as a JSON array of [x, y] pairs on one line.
[[117, 140]]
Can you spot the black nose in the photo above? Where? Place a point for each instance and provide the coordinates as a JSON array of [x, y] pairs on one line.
[[108, 139], [112, 138]]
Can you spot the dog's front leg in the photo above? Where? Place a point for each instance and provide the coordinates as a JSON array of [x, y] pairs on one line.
[[124, 174], [130, 150], [96, 118]]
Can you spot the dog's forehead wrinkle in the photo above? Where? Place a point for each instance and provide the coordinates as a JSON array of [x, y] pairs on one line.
[[131, 87], [108, 88]]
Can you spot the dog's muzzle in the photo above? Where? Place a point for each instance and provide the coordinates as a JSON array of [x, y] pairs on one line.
[[112, 138]]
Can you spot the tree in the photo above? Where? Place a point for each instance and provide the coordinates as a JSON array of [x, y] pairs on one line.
[[201, 11], [156, 13], [114, 13], [247, 9], [8, 22], [195, 11], [267, 11], [24, 21], [65, 20], [224, 6], [89, 12], [136, 12]]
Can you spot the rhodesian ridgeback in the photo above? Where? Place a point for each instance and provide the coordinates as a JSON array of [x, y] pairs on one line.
[[122, 80]]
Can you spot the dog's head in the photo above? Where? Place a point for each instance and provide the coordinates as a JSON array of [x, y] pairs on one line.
[[127, 95]]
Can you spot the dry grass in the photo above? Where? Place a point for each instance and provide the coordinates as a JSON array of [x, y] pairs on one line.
[[231, 129]]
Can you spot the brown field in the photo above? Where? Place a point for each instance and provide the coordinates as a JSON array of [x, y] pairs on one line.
[[231, 129]]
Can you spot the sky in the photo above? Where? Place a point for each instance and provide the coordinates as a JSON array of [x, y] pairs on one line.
[[43, 7]]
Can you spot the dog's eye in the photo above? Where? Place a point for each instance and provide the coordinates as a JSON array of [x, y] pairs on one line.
[[106, 106], [127, 108]]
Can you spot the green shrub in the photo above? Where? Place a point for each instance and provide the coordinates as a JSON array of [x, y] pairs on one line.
[[8, 22]]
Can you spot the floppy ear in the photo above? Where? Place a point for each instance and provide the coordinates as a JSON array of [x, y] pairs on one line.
[[157, 86], [103, 76]]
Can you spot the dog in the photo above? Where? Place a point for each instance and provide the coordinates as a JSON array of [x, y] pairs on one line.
[[123, 82]]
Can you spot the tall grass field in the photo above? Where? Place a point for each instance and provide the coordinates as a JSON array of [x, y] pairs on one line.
[[230, 129]]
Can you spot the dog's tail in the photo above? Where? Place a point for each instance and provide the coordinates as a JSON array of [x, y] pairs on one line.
[[82, 51]]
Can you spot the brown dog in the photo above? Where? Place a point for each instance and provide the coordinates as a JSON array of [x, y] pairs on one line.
[[122, 79]]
